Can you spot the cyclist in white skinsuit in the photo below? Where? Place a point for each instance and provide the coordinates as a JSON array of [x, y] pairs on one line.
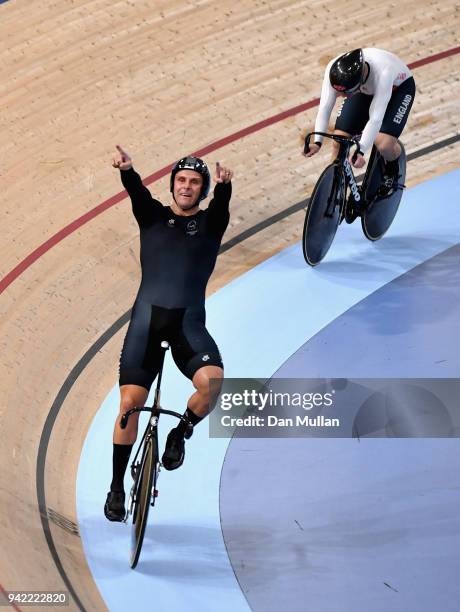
[[379, 91]]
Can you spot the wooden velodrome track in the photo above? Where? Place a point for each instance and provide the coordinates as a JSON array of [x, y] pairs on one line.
[[162, 79]]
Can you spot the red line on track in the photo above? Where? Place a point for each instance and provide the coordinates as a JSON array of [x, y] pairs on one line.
[[69, 229], [434, 58], [5, 594]]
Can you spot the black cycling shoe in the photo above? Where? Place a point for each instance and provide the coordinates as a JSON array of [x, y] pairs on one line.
[[114, 508], [389, 184], [173, 457]]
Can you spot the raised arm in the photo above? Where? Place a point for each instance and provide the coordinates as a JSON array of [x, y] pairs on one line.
[[145, 207], [218, 209]]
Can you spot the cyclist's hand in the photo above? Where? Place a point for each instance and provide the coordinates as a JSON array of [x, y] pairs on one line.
[[358, 162], [122, 160], [223, 174], [312, 150]]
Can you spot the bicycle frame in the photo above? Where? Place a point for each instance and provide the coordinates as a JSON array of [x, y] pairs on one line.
[[329, 203], [151, 430], [145, 472], [341, 159]]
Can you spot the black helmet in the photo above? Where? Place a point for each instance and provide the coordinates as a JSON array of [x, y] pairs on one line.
[[346, 73], [196, 164]]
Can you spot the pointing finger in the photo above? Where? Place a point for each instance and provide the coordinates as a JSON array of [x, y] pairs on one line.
[[122, 152]]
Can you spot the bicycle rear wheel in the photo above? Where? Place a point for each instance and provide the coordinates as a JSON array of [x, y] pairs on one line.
[[380, 213], [323, 214], [147, 477]]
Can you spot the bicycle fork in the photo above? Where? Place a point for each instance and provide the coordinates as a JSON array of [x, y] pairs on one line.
[[337, 195], [154, 491], [135, 467]]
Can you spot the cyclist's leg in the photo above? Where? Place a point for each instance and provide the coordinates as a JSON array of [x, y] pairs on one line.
[[395, 119], [207, 381], [137, 372], [139, 364], [390, 150], [192, 346], [123, 440], [130, 397], [352, 116], [393, 124], [387, 146], [197, 356]]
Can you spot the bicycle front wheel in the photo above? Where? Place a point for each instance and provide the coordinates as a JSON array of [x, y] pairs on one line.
[[147, 476], [323, 214]]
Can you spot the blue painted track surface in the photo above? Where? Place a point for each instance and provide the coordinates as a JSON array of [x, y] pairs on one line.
[[260, 321]]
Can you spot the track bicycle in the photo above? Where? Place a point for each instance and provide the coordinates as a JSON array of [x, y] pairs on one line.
[[145, 471], [329, 205]]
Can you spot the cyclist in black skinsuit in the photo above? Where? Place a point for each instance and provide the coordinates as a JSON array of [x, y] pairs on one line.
[[179, 246]]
